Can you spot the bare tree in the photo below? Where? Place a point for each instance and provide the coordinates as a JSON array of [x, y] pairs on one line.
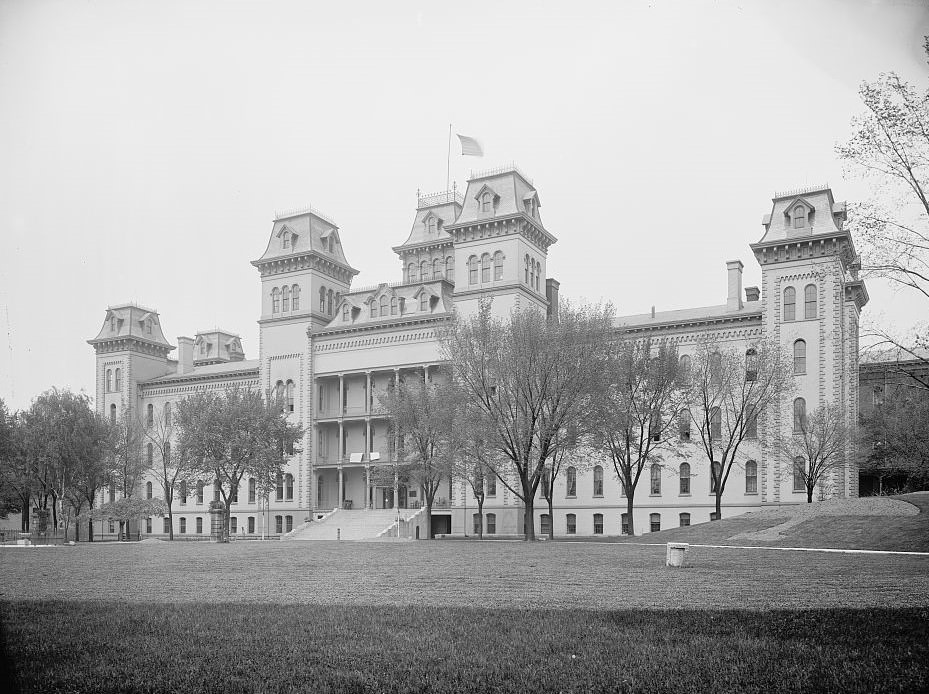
[[890, 147], [729, 390], [476, 460], [532, 378], [639, 404], [171, 461], [129, 465], [817, 445], [233, 434], [570, 450]]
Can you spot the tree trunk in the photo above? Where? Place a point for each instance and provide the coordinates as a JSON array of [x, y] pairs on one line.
[[226, 517], [809, 493], [90, 530], [480, 516], [551, 519], [170, 524], [719, 503], [428, 519], [629, 506], [529, 519]]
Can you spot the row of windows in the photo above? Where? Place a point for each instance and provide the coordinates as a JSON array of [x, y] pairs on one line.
[[751, 480], [483, 265], [284, 489], [790, 303], [285, 299], [425, 271], [150, 414], [390, 306], [285, 392], [532, 272], [282, 524], [328, 299], [109, 381], [751, 364]]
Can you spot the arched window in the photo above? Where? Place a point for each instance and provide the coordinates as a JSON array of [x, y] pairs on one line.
[[799, 415], [289, 487], [527, 269], [382, 304], [491, 482], [183, 492], [538, 275], [279, 390], [150, 415], [183, 525], [251, 490], [437, 269], [799, 216], [532, 273], [200, 486], [684, 369], [411, 272], [275, 305], [809, 301], [200, 524], [285, 299], [290, 395], [751, 364], [715, 477], [498, 265], [393, 306], [373, 308], [279, 487], [716, 368], [800, 357], [109, 380], [119, 380], [799, 474], [654, 522], [148, 490], [472, 270], [790, 304], [485, 267], [751, 477], [598, 481], [685, 520], [487, 202], [751, 423], [716, 423], [430, 225], [279, 524], [322, 299], [113, 413], [329, 298], [450, 268], [656, 480], [285, 240], [295, 297], [424, 271], [167, 413], [571, 482], [149, 455], [683, 423], [685, 478], [424, 302]]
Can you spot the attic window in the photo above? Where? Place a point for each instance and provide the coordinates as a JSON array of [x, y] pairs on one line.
[[346, 312], [424, 302], [431, 225], [799, 216], [113, 324], [285, 240], [487, 201]]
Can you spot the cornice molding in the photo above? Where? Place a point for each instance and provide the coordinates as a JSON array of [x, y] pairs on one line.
[[307, 260]]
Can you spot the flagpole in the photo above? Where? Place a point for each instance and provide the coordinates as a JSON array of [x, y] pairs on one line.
[[448, 160]]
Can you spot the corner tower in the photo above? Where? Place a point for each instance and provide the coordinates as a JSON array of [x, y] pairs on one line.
[[428, 252], [811, 303], [501, 245]]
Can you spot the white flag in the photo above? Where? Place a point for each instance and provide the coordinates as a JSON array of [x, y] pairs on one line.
[[470, 146]]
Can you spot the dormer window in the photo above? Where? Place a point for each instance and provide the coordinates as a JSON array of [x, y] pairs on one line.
[[203, 348], [424, 302], [799, 217], [431, 225], [285, 240], [487, 201], [148, 327], [346, 312], [113, 324]]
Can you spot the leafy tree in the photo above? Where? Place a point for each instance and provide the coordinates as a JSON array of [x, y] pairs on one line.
[[640, 403], [126, 511], [423, 418], [171, 460], [128, 464], [11, 500], [899, 429], [890, 147], [532, 378], [234, 434], [571, 448], [476, 460], [729, 390], [820, 442]]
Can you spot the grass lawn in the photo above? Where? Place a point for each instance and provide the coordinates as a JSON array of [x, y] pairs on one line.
[[459, 616]]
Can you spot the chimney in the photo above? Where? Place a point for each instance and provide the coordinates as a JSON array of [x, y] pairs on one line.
[[185, 355], [551, 293], [752, 294], [734, 270]]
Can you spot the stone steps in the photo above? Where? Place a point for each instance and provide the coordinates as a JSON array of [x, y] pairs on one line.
[[350, 525]]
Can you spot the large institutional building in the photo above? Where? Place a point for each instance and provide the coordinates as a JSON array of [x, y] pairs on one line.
[[331, 349]]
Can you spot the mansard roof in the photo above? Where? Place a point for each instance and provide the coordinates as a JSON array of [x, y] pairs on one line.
[[217, 345], [407, 293], [512, 189], [129, 320], [310, 233], [830, 215], [445, 207]]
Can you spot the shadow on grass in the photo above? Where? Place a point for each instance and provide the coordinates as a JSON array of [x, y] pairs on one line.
[[147, 647]]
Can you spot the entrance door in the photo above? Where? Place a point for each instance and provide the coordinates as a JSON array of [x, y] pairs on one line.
[[387, 497]]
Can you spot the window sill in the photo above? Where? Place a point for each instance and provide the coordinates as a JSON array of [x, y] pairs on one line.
[[598, 496], [751, 493], [655, 495], [684, 494], [570, 496]]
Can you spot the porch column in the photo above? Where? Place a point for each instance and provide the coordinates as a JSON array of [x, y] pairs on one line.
[[341, 394], [341, 446], [367, 487], [341, 488], [396, 490], [425, 373], [369, 396]]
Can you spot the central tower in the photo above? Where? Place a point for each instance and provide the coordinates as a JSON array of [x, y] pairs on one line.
[[500, 243]]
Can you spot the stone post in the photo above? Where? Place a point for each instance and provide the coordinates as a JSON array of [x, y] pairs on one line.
[[217, 522]]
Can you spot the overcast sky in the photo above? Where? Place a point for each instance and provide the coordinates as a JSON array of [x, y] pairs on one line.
[[145, 146]]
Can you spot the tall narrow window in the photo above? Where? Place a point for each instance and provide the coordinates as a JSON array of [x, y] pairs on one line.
[[289, 523], [182, 491], [527, 269], [393, 306], [149, 455], [491, 481], [167, 413], [790, 304], [654, 521], [150, 415], [217, 490], [285, 239], [148, 490], [289, 487], [251, 490], [411, 273], [279, 487], [437, 269], [251, 525], [598, 524], [751, 364], [685, 478], [113, 414], [279, 524], [289, 395], [498, 265], [531, 273], [598, 480], [491, 519], [450, 268], [751, 477], [373, 308], [485, 267], [685, 520], [424, 302], [424, 271], [809, 302], [800, 357], [487, 202], [275, 305], [346, 312], [538, 275], [200, 486], [322, 299], [656, 480], [799, 474], [119, 380], [684, 368], [716, 368], [295, 297], [684, 425], [571, 524], [799, 216], [751, 423], [200, 524], [624, 523], [430, 225], [799, 415], [472, 270], [109, 380], [545, 524], [285, 299], [716, 423], [571, 482], [183, 525], [330, 296], [382, 305]]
